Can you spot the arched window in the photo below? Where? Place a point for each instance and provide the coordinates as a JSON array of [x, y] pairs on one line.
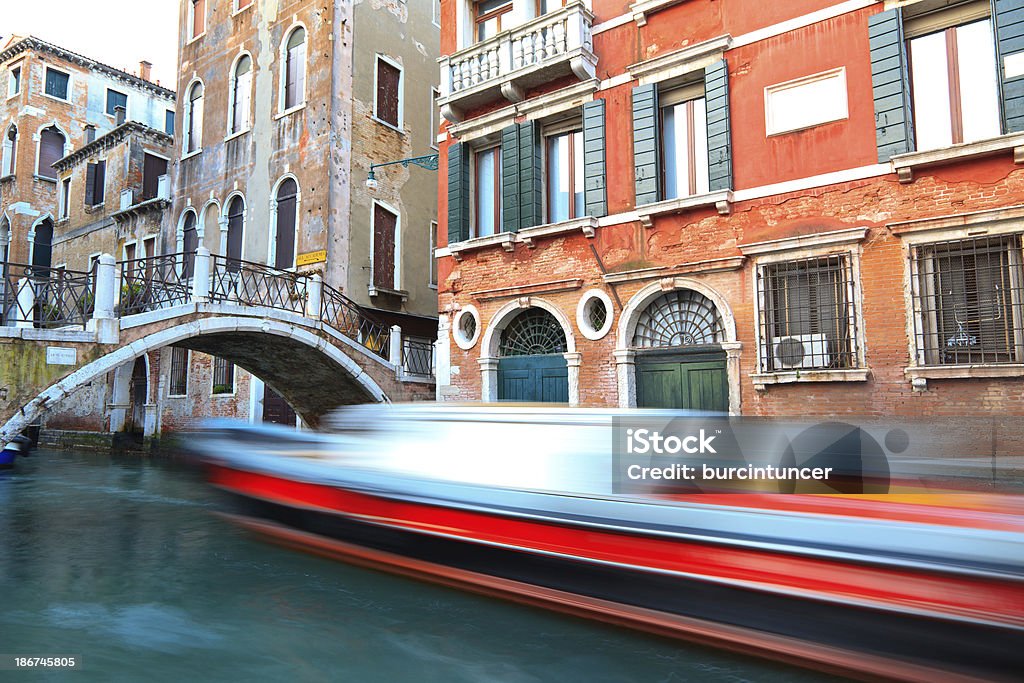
[[194, 118], [679, 318], [295, 69], [42, 246], [236, 225], [284, 242], [10, 151], [51, 149], [5, 238], [241, 88], [532, 332], [189, 244]]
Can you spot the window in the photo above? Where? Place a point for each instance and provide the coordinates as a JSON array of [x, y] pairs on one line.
[[197, 18], [57, 83], [65, 197], [287, 208], [189, 244], [152, 168], [223, 376], [435, 117], [129, 252], [116, 99], [194, 119], [487, 192], [967, 301], [169, 122], [684, 142], [51, 150], [564, 176], [14, 83], [95, 183], [807, 314], [242, 4], [383, 257], [179, 371], [241, 87], [805, 102], [387, 103], [295, 69], [10, 151], [436, 17], [42, 245], [488, 15], [433, 254], [545, 6], [236, 226]]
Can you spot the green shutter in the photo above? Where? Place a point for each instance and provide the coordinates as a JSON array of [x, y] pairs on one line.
[[458, 193], [646, 139], [894, 129], [530, 187], [510, 179], [90, 183], [716, 95], [1008, 24], [594, 170]]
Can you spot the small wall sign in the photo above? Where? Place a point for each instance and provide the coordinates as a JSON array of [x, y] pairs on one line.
[[61, 355], [311, 257]]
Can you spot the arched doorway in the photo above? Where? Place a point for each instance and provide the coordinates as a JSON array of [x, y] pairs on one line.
[[138, 391], [680, 360], [532, 366]]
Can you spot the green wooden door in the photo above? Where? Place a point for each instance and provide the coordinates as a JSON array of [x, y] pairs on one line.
[[699, 383], [533, 379]]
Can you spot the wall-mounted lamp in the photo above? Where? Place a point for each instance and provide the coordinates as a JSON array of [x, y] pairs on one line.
[[427, 161]]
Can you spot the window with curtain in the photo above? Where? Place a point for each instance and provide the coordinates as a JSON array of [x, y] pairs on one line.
[[684, 143], [487, 190], [241, 88], [295, 69], [564, 176]]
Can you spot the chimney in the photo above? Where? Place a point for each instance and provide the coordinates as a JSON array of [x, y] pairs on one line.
[[90, 133], [145, 70], [119, 113]]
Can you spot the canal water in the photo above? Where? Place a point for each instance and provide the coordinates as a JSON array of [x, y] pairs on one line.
[[122, 562]]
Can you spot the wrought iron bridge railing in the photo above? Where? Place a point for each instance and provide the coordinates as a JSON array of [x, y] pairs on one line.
[[418, 356], [155, 282], [351, 320], [256, 284], [43, 297]]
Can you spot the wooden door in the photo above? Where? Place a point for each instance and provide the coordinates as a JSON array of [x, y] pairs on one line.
[[533, 379], [678, 382]]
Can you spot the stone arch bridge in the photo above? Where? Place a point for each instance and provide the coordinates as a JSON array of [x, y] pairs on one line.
[[61, 329]]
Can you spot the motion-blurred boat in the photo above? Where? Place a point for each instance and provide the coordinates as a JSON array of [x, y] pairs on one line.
[[518, 503], [18, 446]]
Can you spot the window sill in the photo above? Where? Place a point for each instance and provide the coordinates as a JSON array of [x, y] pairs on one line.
[[289, 112], [242, 9], [587, 224], [643, 8], [193, 153], [764, 379], [505, 239], [239, 134], [224, 395], [9, 176], [963, 371], [384, 123], [65, 100], [378, 291], [45, 179], [194, 38], [904, 165], [720, 199], [177, 395]]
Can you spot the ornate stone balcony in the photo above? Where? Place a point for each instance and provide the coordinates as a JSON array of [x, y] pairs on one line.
[[508, 64]]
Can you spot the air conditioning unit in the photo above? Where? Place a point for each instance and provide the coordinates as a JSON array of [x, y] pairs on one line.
[[800, 351]]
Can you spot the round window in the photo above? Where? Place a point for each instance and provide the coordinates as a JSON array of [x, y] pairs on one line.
[[594, 314], [466, 327]]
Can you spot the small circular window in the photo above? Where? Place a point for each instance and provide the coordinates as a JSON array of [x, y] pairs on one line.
[[466, 327], [594, 314]]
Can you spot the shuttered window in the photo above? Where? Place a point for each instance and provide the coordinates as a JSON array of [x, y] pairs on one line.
[[57, 83], [42, 245], [458, 193], [197, 18], [287, 205], [236, 226], [95, 183], [194, 118], [684, 143], [169, 122], [179, 372], [189, 244], [51, 149], [241, 85], [385, 224], [295, 69], [152, 168], [116, 99], [388, 102]]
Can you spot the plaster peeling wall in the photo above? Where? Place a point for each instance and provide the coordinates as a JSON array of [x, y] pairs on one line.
[[339, 244]]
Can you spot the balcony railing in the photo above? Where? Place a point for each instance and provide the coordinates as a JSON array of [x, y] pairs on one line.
[[506, 65]]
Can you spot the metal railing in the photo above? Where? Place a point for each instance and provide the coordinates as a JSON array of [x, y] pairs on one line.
[[418, 356], [155, 282], [255, 284], [347, 317], [38, 296]]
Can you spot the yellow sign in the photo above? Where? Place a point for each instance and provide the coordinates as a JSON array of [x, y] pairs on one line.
[[311, 257]]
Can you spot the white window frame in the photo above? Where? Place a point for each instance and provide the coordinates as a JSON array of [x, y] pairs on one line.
[[190, 20], [20, 67], [778, 127], [232, 81], [64, 200], [283, 74], [106, 97], [397, 282], [71, 83], [12, 149], [235, 9], [186, 120], [401, 92]]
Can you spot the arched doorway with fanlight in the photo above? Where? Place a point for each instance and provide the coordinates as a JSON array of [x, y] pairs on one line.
[[680, 361], [532, 365]]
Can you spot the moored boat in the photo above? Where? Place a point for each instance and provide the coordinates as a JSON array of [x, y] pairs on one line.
[[519, 503], [18, 446]]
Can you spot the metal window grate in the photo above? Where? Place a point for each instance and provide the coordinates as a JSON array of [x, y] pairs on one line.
[[679, 318], [179, 371], [532, 332], [967, 301], [223, 376], [808, 318]]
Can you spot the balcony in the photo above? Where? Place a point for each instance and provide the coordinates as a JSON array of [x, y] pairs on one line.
[[505, 66]]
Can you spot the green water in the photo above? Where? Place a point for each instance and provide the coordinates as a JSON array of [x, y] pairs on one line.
[[122, 563]]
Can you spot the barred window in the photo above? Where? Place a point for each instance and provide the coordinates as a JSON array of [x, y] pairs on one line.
[[967, 301], [808, 317], [179, 371], [223, 376]]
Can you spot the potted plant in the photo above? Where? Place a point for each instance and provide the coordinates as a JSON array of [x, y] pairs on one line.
[[86, 304], [133, 298]]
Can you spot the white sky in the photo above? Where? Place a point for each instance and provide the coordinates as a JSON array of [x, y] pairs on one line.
[[120, 33]]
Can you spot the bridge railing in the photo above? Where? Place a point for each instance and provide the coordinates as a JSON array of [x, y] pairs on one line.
[[418, 356], [39, 296], [347, 317], [256, 284], [154, 282]]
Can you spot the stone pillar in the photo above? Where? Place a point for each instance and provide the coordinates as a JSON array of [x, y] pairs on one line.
[[223, 235], [106, 288], [151, 426], [732, 369], [488, 379], [573, 361], [442, 358], [625, 371], [314, 296], [201, 276], [395, 349], [26, 303]]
